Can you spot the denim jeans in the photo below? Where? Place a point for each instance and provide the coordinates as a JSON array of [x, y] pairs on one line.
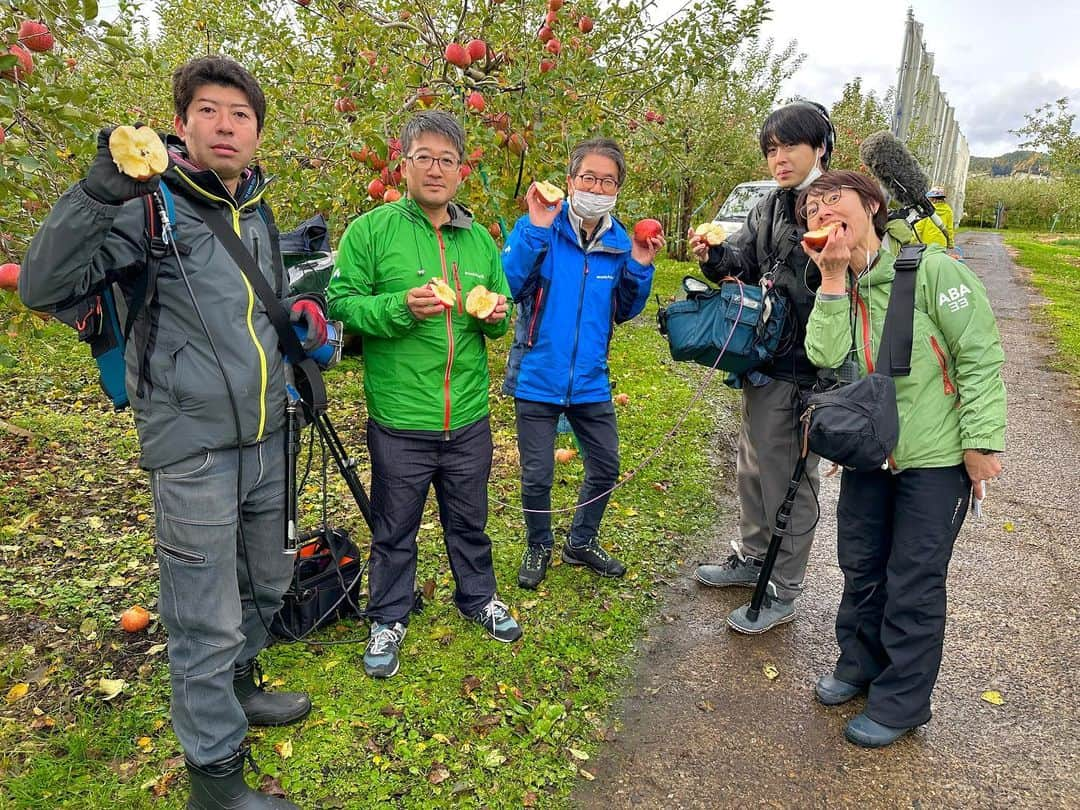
[[208, 602], [597, 432], [404, 466]]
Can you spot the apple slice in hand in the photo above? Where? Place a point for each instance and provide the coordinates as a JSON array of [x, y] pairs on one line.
[[481, 302], [815, 240], [549, 193], [138, 153], [444, 292]]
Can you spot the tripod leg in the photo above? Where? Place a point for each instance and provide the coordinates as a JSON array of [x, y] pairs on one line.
[[292, 450], [345, 464], [783, 514]]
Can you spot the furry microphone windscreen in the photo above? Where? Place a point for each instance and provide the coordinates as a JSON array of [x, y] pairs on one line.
[[895, 168]]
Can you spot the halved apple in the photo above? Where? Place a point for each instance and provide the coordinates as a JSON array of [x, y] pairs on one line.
[[138, 153], [713, 232], [481, 302], [549, 193], [815, 240], [444, 292]]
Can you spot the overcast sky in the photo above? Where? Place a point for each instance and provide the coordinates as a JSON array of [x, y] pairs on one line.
[[996, 59]]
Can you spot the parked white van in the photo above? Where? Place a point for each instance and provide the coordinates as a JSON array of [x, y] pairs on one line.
[[740, 202]]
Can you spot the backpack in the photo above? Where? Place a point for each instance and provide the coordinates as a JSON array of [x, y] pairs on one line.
[[107, 320]]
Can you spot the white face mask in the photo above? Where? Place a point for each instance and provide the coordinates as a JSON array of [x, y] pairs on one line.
[[591, 206], [815, 173]]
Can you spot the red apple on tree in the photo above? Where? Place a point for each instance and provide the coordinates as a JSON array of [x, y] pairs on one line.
[[477, 49], [545, 34], [555, 5], [376, 188], [24, 67], [475, 101], [553, 46], [35, 36], [550, 18], [3, 135], [456, 54], [546, 65], [426, 96], [391, 195], [585, 25]]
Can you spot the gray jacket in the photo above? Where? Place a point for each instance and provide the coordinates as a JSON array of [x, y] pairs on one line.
[[182, 406]]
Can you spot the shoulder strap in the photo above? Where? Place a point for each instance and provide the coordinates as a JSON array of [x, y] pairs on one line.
[[894, 355], [308, 376]]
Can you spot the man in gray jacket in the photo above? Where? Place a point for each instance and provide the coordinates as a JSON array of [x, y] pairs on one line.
[[208, 397]]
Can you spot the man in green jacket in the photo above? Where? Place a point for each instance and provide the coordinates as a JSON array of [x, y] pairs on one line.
[[425, 381]]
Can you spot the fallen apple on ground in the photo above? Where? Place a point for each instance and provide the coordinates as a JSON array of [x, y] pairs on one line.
[[444, 292], [563, 455], [9, 276], [134, 619], [481, 302], [815, 240], [647, 229], [621, 399], [714, 233], [549, 193], [138, 153]]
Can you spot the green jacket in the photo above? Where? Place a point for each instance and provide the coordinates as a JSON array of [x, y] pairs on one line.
[[954, 398], [427, 374]]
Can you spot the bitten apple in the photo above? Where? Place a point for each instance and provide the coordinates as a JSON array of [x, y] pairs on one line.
[[138, 153], [549, 193], [647, 229], [713, 232], [481, 302], [815, 240], [444, 292]]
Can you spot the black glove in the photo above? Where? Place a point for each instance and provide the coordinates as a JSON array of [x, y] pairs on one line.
[[106, 183]]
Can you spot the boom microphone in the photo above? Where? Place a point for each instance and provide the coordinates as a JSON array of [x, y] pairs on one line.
[[897, 170]]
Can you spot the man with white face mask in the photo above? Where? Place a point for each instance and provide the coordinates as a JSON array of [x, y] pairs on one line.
[[797, 142], [574, 272]]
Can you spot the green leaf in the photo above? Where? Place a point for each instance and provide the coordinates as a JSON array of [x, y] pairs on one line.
[[90, 9]]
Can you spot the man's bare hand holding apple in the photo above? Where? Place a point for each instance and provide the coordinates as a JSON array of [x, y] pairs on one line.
[[541, 213]]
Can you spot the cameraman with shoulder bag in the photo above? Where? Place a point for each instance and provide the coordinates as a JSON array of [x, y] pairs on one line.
[[896, 525]]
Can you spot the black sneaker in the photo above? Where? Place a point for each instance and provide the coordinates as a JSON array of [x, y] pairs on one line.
[[534, 566], [495, 618], [594, 558]]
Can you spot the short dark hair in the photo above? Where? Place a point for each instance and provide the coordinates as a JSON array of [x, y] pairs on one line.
[[598, 146], [435, 122], [801, 122], [867, 189], [220, 70]]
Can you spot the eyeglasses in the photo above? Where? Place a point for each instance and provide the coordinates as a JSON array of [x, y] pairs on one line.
[[425, 162], [587, 182], [829, 198]]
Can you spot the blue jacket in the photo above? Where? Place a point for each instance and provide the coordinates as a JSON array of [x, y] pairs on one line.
[[568, 302]]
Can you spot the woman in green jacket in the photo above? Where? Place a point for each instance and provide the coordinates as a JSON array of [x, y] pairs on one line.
[[896, 526]]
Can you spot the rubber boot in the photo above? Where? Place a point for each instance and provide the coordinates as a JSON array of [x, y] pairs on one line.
[[266, 708], [221, 786]]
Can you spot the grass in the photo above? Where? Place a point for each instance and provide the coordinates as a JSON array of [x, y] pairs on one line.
[[467, 722], [1054, 262]]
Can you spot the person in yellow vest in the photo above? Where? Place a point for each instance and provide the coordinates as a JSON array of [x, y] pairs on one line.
[[928, 231]]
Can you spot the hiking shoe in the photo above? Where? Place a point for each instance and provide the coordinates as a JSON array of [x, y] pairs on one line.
[[594, 558], [737, 569], [381, 655], [868, 733], [497, 621], [773, 611], [534, 566], [831, 691]]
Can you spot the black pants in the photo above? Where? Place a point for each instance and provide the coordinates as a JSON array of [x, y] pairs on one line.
[[895, 537], [404, 464], [596, 430]]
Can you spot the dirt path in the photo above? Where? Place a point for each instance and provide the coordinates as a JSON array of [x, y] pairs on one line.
[[702, 726]]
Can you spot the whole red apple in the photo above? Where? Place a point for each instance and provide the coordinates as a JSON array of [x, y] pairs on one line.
[[456, 54], [647, 229], [9, 276], [25, 66], [546, 65], [545, 34], [391, 195], [551, 18], [376, 188], [553, 47], [585, 25], [555, 5], [516, 144], [304, 3], [466, 170], [495, 230], [3, 135], [35, 36], [477, 50], [475, 101], [426, 96]]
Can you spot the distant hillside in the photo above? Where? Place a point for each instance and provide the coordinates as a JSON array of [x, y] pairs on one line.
[[1022, 160]]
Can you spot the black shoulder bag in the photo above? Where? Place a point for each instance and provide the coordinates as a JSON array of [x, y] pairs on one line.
[[857, 425]]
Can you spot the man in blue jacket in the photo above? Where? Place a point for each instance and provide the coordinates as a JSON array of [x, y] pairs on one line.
[[574, 274]]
